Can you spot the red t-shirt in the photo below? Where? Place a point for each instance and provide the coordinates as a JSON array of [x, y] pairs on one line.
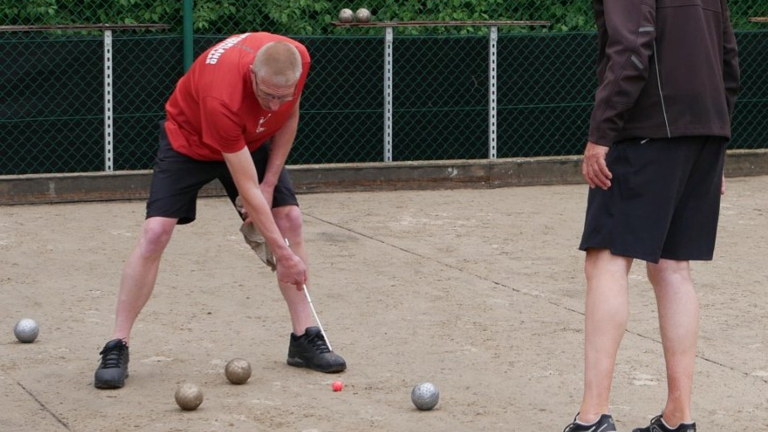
[[213, 109]]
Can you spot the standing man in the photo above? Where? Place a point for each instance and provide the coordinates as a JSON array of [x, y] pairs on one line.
[[233, 116], [668, 78]]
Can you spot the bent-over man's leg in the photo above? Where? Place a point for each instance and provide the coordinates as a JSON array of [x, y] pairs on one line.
[[140, 274], [307, 347], [289, 221], [176, 181]]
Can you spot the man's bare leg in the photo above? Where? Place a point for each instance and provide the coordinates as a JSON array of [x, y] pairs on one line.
[[678, 307], [140, 273], [605, 322], [289, 221], [136, 285], [307, 347]]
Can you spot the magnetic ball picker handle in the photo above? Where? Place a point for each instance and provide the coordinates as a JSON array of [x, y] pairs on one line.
[[311, 306]]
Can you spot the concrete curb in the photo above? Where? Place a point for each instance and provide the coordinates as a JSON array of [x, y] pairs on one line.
[[130, 185]]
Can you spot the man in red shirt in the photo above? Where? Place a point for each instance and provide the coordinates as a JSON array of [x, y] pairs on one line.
[[233, 116]]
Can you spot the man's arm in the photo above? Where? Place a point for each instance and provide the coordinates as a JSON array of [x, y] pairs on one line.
[[290, 268], [282, 141], [631, 31], [730, 68], [730, 60]]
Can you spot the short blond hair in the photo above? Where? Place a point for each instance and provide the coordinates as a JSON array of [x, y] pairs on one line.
[[280, 62]]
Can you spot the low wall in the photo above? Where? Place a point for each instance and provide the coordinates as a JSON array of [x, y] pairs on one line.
[[127, 185]]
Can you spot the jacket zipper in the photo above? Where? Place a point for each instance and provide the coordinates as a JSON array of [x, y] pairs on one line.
[[661, 93]]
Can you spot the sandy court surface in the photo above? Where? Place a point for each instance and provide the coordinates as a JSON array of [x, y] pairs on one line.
[[478, 291]]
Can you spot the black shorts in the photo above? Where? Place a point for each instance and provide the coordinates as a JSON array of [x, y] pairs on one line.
[[177, 179], [664, 200]]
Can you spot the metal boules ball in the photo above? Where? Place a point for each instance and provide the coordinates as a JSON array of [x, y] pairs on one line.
[[346, 15], [363, 15], [425, 396], [26, 330], [238, 371], [189, 397]]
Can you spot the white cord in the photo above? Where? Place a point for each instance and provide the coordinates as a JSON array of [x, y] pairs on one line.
[[311, 306], [306, 294]]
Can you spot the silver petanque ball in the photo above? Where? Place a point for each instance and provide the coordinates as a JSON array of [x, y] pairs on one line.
[[425, 396], [26, 330], [363, 15], [189, 396], [238, 371], [346, 16]]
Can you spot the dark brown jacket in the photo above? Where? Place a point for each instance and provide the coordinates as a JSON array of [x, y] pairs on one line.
[[666, 68]]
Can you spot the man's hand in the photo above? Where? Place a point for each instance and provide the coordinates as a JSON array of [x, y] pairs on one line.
[[291, 270], [722, 186], [594, 168]]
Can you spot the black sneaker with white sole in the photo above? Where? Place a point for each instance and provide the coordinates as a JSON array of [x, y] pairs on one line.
[[113, 368], [310, 350], [659, 425], [603, 424]]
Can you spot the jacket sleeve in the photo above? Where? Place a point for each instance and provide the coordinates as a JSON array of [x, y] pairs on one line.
[[730, 60], [630, 28]]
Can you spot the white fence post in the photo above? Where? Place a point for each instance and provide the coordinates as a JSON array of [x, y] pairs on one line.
[[492, 41], [388, 94], [108, 120]]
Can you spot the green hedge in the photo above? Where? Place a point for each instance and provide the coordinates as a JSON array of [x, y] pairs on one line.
[[313, 17]]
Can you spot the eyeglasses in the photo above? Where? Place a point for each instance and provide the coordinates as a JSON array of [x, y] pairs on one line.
[[269, 96], [262, 95]]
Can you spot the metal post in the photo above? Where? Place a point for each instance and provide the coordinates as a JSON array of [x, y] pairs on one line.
[[188, 34], [493, 39], [108, 135], [388, 94]]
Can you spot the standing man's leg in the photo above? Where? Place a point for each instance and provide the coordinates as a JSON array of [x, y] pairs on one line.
[[678, 308], [605, 323], [691, 236], [630, 216]]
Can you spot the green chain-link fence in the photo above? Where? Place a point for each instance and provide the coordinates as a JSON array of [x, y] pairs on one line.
[[52, 83]]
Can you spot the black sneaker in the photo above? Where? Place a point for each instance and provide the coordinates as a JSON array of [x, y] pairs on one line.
[[603, 424], [658, 425], [311, 351], [113, 370]]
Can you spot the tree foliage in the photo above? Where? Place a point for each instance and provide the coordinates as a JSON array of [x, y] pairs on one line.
[[314, 17]]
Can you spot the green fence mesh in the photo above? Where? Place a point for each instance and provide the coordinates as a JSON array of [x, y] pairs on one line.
[[52, 82]]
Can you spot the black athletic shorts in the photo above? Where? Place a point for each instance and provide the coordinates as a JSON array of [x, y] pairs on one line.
[[177, 179], [664, 200]]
